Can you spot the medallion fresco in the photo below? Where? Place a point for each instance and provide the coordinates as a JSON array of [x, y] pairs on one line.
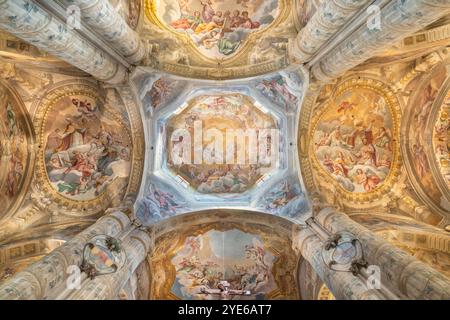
[[354, 139], [217, 28], [14, 156], [87, 148], [240, 258], [220, 113]]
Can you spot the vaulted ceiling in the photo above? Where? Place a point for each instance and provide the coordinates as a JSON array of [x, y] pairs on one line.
[[367, 135]]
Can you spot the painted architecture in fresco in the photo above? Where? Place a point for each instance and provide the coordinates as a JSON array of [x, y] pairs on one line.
[[86, 148], [176, 113], [240, 258], [217, 28], [353, 140], [215, 174], [96, 169]]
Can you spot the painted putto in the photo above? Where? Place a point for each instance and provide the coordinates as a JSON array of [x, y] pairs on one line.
[[218, 28], [286, 199], [283, 89], [159, 202], [240, 258], [353, 141], [86, 150], [223, 167]]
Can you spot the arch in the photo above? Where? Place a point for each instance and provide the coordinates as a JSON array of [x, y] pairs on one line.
[[16, 151]]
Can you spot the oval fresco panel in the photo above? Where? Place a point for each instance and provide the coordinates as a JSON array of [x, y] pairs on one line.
[[87, 148], [354, 139], [15, 134], [217, 28]]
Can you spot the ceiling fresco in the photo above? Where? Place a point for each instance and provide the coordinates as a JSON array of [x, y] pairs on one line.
[[15, 158], [441, 138], [217, 28], [129, 9], [227, 144], [223, 170], [86, 148], [355, 139], [240, 258], [249, 250]]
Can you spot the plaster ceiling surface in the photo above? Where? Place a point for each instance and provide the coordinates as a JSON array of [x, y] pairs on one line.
[[221, 144]]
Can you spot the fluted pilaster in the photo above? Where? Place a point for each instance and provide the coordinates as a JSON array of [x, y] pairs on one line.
[[399, 19], [46, 278], [28, 21], [324, 24], [101, 16]]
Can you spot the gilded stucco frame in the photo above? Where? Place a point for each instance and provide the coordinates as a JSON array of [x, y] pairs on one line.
[[393, 104], [44, 106]]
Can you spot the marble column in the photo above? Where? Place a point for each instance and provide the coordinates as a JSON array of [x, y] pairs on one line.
[[343, 285], [102, 17], [330, 17], [106, 287], [399, 19], [46, 278], [401, 273], [28, 21]]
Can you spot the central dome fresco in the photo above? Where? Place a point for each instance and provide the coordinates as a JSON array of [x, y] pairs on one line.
[[225, 119]]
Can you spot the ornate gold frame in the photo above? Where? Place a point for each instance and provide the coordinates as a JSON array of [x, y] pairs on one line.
[[394, 107], [84, 88]]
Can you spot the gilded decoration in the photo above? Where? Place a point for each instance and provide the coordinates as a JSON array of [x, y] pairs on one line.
[[85, 148], [355, 139]]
